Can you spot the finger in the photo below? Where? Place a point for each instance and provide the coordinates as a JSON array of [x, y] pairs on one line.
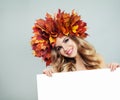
[[49, 73], [114, 66], [44, 71], [111, 67], [118, 65]]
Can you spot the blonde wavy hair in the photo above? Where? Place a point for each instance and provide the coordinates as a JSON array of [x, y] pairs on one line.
[[87, 52]]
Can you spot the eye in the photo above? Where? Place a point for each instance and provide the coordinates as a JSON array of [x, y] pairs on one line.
[[59, 48], [66, 40]]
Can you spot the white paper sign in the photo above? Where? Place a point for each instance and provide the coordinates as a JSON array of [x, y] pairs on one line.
[[100, 84]]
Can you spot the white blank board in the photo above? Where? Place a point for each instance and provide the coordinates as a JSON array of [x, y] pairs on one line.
[[100, 84]]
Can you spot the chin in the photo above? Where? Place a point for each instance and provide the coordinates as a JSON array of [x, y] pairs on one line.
[[71, 56]]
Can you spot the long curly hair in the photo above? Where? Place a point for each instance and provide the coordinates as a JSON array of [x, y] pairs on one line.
[[86, 51]]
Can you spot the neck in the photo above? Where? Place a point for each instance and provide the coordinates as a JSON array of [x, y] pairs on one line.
[[79, 63]]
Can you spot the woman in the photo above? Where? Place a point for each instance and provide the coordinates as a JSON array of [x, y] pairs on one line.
[[60, 41]]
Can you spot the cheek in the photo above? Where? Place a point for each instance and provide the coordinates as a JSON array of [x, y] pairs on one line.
[[75, 49], [62, 52]]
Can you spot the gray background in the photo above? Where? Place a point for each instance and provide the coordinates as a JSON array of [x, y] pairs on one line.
[[18, 67]]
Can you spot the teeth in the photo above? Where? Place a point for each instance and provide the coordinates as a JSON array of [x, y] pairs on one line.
[[69, 51]]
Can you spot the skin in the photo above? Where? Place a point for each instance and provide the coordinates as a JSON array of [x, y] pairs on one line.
[[68, 48]]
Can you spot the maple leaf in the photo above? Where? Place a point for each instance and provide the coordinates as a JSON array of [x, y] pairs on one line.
[[74, 28]]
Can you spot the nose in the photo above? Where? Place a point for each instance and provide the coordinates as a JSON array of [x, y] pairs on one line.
[[64, 47]]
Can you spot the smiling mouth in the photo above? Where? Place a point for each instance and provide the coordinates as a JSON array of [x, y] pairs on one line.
[[69, 51]]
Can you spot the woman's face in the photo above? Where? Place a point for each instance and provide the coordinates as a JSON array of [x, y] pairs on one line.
[[66, 46]]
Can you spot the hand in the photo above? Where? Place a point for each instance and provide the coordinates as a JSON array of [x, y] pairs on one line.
[[48, 71], [113, 66]]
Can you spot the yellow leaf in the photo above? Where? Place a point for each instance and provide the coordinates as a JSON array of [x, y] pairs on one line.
[[74, 28], [41, 41], [51, 39]]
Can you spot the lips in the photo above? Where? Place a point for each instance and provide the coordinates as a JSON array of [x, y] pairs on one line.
[[68, 52]]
